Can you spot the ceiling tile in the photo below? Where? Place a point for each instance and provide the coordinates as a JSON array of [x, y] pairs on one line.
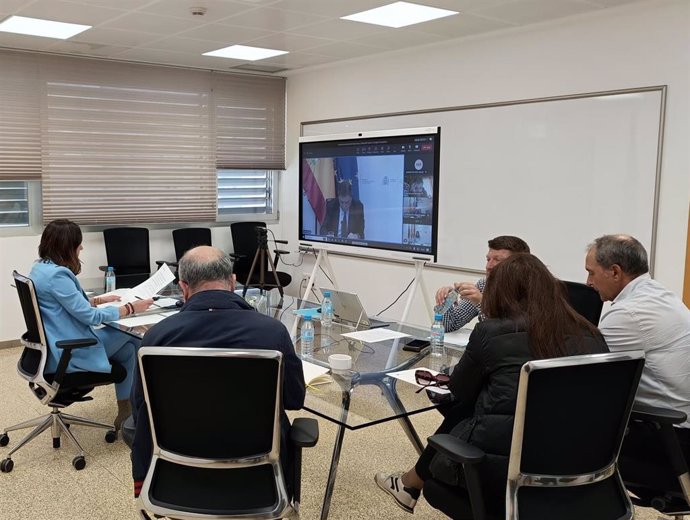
[[71, 12], [297, 60], [115, 37], [8, 7], [215, 9], [87, 49], [342, 30], [273, 19], [533, 11], [329, 8], [345, 50], [23, 41], [401, 38], [288, 42], [145, 22], [163, 56], [178, 44], [460, 25], [120, 4], [227, 34]]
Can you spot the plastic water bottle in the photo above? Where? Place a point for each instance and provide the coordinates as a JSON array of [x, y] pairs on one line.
[[437, 333], [326, 310], [447, 303], [110, 280], [307, 341]]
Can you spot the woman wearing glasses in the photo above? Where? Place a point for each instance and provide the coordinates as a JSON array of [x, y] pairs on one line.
[[528, 318], [68, 313]]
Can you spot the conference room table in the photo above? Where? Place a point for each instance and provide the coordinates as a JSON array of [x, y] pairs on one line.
[[365, 395]]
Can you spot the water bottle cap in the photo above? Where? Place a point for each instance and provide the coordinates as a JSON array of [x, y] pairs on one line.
[[110, 268], [327, 294], [438, 317], [307, 318]]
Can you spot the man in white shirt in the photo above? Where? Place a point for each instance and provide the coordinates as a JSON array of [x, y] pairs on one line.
[[643, 316]]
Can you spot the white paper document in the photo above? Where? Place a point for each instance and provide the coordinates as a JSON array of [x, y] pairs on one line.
[[144, 290], [458, 337], [315, 374], [375, 335], [146, 319], [408, 377]]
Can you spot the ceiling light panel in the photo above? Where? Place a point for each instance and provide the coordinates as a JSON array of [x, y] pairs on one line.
[[242, 52], [38, 27], [399, 14]]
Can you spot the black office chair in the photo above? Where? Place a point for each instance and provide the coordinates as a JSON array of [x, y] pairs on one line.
[[215, 421], [245, 243], [185, 239], [570, 419], [585, 300], [661, 480], [127, 251], [57, 390]]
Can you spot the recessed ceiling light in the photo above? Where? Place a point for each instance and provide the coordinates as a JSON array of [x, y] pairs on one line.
[[399, 14], [242, 52], [38, 27]]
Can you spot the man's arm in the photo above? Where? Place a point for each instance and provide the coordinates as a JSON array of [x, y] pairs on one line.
[[142, 445], [462, 312], [294, 388]]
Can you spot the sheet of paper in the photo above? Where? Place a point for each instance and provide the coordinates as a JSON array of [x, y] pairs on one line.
[[155, 284], [375, 335], [408, 377], [458, 337], [165, 302], [147, 319], [315, 374], [126, 296]]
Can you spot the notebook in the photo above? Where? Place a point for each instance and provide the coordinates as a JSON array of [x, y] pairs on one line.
[[347, 308]]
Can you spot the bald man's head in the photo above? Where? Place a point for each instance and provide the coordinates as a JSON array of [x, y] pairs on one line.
[[206, 267]]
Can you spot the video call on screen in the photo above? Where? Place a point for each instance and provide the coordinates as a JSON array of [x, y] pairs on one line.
[[392, 192]]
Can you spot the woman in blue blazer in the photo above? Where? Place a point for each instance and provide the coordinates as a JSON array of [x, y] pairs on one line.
[[68, 313]]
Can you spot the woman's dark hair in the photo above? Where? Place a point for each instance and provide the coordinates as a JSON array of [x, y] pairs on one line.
[[59, 243], [522, 289]]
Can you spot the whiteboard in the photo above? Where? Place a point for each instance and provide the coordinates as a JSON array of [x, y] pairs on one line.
[[557, 172]]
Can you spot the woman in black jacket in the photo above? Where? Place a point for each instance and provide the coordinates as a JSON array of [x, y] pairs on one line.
[[529, 318]]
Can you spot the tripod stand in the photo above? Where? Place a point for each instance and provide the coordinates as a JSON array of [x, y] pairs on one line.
[[262, 257]]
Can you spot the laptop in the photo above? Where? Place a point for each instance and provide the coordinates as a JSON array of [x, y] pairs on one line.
[[348, 309]]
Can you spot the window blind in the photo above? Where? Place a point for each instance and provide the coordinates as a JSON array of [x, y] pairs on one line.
[[249, 119], [125, 143], [244, 191], [20, 121]]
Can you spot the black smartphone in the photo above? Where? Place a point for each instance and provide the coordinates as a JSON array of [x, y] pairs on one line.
[[416, 345]]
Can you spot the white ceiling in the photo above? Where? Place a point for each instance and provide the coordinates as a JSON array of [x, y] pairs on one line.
[[165, 31]]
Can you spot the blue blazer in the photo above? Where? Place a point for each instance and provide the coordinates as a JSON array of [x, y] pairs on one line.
[[67, 314]]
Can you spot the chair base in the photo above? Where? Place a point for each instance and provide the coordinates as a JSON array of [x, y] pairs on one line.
[[59, 424]]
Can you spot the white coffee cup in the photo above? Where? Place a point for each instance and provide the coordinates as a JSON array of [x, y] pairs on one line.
[[340, 361]]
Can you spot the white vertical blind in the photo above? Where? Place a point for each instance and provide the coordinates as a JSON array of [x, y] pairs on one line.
[[249, 117], [125, 143], [20, 121]]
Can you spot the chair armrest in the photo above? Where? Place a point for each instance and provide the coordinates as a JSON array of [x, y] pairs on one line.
[[456, 449], [281, 241], [660, 415], [236, 256], [67, 345], [281, 252], [304, 432], [160, 263], [103, 268]]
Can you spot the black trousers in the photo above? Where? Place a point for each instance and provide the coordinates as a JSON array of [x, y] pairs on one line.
[[644, 461]]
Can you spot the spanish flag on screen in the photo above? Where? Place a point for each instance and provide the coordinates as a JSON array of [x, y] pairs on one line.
[[318, 181]]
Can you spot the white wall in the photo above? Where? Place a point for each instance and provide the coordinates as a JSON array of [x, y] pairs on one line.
[[632, 46]]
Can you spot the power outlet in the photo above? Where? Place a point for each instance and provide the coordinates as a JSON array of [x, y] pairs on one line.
[[305, 277]]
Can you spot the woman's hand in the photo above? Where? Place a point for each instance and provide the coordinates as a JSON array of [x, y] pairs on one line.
[[107, 299], [135, 307]]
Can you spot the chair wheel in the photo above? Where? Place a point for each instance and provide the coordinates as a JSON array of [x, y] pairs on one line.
[[4, 439], [110, 436], [79, 462], [56, 442], [6, 465]]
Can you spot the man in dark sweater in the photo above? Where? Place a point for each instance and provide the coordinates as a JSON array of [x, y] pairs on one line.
[[214, 316]]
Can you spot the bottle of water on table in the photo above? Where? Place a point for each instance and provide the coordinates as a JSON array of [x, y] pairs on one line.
[[326, 310], [110, 280], [437, 333], [307, 340]]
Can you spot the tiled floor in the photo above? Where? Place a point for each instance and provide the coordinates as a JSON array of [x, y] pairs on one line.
[[45, 486]]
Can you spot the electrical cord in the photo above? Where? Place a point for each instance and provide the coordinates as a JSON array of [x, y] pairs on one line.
[[398, 298]]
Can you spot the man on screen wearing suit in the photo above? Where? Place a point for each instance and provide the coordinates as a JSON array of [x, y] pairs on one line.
[[344, 215]]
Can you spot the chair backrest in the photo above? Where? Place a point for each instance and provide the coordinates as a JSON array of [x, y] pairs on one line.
[[245, 242], [127, 251], [585, 300], [34, 357], [185, 239], [213, 404], [570, 420]]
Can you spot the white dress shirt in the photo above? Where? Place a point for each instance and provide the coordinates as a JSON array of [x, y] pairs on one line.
[[646, 316]]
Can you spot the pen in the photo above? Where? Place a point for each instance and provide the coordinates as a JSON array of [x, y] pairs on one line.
[[154, 298]]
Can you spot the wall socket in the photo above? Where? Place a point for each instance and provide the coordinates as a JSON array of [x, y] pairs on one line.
[[305, 277]]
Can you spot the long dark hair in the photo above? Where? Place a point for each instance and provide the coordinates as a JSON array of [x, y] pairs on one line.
[[522, 289], [59, 243]]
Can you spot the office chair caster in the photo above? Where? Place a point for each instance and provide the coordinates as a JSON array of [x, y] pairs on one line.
[[6, 465], [79, 462], [4, 439], [110, 436]]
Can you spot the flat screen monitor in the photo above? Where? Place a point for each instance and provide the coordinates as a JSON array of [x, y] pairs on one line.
[[373, 193]]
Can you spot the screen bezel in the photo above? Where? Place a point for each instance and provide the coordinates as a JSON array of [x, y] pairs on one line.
[[374, 251]]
